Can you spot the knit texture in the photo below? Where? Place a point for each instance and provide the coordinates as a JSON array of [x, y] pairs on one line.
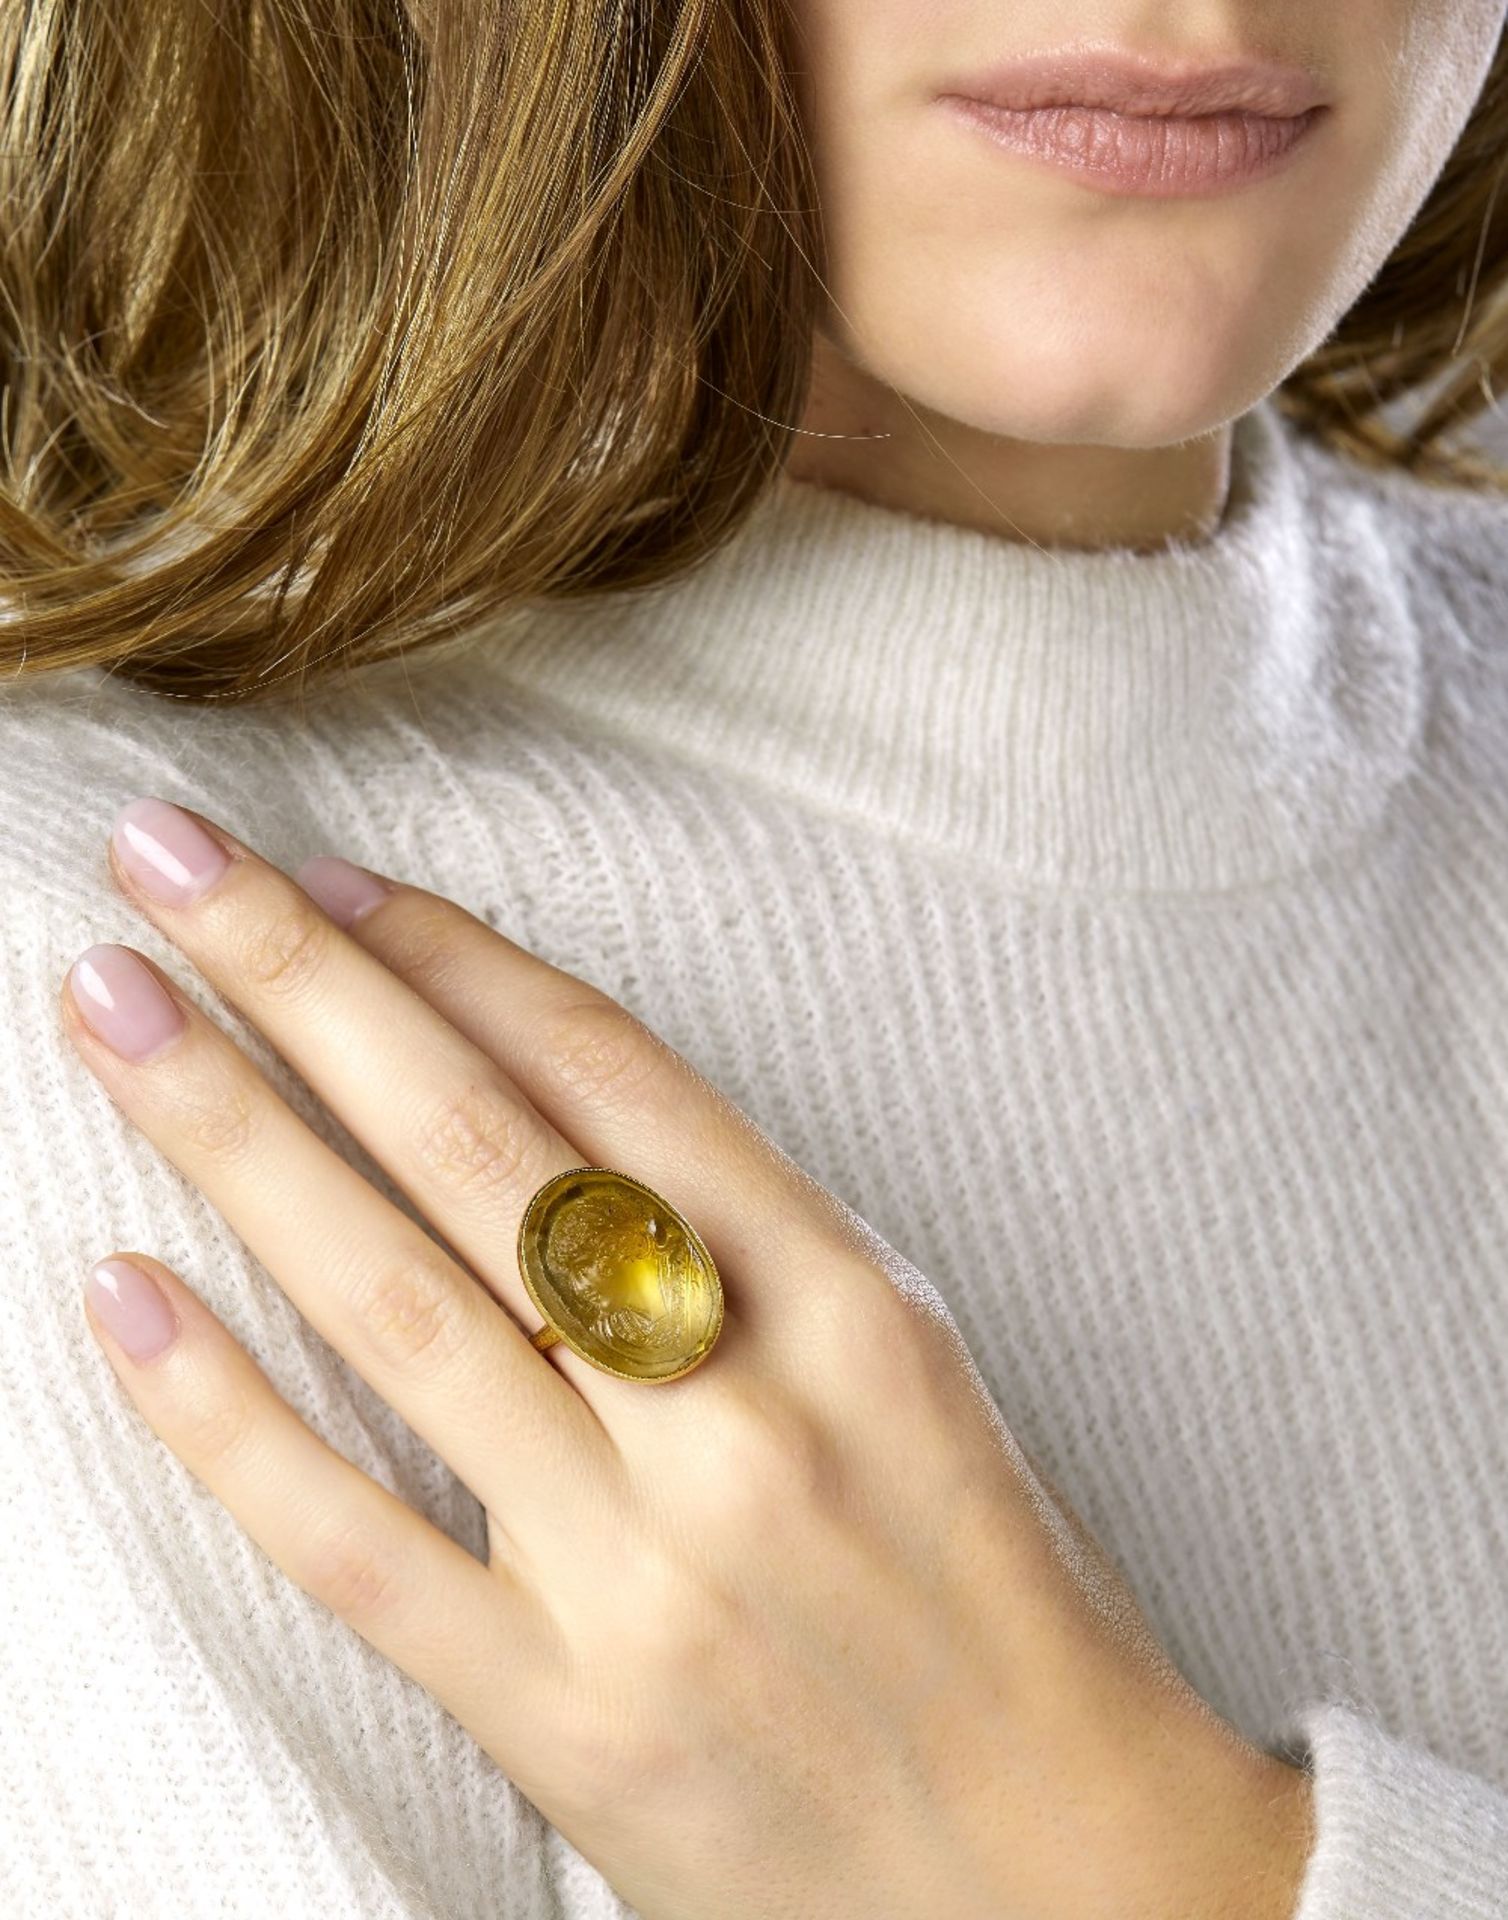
[[1122, 935]]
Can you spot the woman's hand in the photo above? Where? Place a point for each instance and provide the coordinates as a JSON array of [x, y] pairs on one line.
[[800, 1633]]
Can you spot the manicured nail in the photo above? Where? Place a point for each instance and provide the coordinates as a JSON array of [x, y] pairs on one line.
[[132, 1308], [123, 1002], [166, 851], [344, 891]]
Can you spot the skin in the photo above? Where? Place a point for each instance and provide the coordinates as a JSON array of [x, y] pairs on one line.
[[833, 1662], [759, 1648], [1052, 363]]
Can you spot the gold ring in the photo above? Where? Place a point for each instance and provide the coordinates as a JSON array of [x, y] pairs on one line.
[[619, 1275]]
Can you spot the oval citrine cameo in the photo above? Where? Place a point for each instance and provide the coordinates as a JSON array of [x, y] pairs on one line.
[[622, 1277]]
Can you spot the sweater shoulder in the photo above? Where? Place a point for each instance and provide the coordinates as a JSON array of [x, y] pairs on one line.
[[371, 768], [74, 746], [1443, 549], [1448, 543], [1456, 542]]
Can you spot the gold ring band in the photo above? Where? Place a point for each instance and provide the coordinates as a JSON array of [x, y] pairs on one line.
[[619, 1275]]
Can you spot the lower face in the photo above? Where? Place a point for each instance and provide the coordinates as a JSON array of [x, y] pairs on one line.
[[1090, 281]]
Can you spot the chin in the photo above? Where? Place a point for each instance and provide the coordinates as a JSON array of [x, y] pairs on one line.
[[1128, 406]]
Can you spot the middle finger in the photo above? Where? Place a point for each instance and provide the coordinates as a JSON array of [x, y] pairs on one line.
[[441, 1116]]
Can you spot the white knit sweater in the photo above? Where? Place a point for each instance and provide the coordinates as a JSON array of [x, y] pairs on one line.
[[1124, 936]]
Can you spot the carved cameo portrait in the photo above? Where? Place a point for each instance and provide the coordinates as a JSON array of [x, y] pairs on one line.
[[622, 1275]]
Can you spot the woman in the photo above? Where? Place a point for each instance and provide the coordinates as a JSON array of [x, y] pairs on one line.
[[954, 750]]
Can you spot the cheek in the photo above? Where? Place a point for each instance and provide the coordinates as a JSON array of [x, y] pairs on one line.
[[1421, 77], [1416, 80]]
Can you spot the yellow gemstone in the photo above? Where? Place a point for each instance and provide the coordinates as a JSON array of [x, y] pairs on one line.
[[624, 1279]]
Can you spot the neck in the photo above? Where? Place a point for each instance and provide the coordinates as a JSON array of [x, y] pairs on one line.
[[860, 436]]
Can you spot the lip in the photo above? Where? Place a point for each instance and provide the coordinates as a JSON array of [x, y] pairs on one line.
[[1126, 124], [1133, 83]]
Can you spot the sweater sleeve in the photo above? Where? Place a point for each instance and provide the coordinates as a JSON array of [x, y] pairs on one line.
[[1399, 1833]]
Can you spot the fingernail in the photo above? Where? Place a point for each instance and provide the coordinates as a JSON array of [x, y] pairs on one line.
[[344, 891], [132, 1308], [166, 851], [123, 1002]]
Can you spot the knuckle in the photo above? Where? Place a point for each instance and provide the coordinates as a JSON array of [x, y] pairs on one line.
[[414, 1312], [475, 1140], [214, 1426], [635, 1694], [697, 1627], [602, 1761], [661, 1588], [766, 1454], [596, 1048], [877, 1325], [215, 1115], [281, 951], [899, 1347], [420, 943], [642, 1622], [353, 1571]]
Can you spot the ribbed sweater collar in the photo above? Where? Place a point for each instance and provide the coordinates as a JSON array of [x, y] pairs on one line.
[[1212, 714]]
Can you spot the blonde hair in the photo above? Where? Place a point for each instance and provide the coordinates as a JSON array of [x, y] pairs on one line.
[[332, 327]]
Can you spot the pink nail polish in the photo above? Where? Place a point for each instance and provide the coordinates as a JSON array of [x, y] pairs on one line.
[[344, 891], [166, 851], [132, 1309], [123, 1003]]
